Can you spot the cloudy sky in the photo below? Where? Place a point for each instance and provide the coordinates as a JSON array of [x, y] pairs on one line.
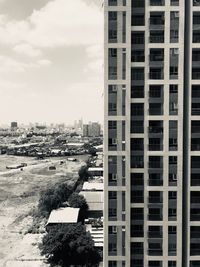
[[51, 60]]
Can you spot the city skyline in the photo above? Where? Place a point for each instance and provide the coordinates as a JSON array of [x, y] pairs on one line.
[[51, 68]]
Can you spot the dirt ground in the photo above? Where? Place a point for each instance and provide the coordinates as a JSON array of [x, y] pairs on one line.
[[19, 194]]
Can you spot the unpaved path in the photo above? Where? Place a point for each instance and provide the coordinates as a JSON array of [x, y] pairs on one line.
[[19, 194]]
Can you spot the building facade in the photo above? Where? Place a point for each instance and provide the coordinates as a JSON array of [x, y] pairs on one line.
[[93, 129], [152, 133]]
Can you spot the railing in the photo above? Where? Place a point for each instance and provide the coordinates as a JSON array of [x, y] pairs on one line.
[[137, 21], [155, 252], [195, 147], [156, 75], [156, 147], [155, 111], [195, 182], [153, 58], [138, 40], [195, 111], [155, 234], [156, 22], [155, 217], [196, 75], [157, 200], [196, 38], [155, 182], [157, 39], [195, 200], [156, 165], [194, 217], [155, 129], [195, 234], [137, 58], [174, 2], [137, 129], [157, 2]]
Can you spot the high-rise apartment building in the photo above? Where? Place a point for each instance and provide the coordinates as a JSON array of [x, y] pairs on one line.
[[93, 129], [152, 133]]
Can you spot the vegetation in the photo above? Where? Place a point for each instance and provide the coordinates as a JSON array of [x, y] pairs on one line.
[[69, 245], [53, 197], [83, 173], [78, 201]]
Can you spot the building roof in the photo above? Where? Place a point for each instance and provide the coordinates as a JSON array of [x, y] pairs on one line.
[[64, 215], [95, 169], [75, 144], [94, 199], [92, 186], [96, 234]]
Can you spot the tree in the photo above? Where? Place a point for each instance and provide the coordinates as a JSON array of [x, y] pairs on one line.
[[69, 244], [53, 197], [83, 173], [78, 201], [92, 151]]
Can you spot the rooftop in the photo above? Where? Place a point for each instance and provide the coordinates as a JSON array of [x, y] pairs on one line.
[[94, 199], [92, 186], [64, 215]]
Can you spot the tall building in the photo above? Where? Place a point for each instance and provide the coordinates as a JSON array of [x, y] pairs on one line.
[[93, 129], [14, 125], [152, 133]]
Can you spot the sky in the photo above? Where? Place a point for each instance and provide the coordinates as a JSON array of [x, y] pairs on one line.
[[51, 61]]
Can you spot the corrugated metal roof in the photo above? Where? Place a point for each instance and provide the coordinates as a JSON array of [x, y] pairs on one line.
[[92, 186], [64, 215]]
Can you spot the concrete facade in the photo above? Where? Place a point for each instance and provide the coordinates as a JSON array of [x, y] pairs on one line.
[[152, 133]]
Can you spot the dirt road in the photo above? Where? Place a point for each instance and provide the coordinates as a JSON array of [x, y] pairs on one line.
[[19, 194]]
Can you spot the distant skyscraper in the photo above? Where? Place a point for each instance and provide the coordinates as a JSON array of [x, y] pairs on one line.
[[85, 130], [93, 129], [14, 125], [152, 133]]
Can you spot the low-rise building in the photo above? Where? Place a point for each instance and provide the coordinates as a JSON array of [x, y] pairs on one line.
[[96, 171], [63, 216]]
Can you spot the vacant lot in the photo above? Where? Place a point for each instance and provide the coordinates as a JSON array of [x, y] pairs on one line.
[[19, 194]]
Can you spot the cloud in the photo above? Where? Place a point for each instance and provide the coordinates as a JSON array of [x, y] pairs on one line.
[[27, 50], [59, 23], [44, 62], [8, 64]]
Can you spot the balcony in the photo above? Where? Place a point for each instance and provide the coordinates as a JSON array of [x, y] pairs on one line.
[[155, 109], [155, 182], [195, 129], [157, 2], [155, 200], [155, 165], [156, 74], [196, 37], [195, 109], [157, 21], [155, 234], [156, 217], [195, 234], [196, 74], [156, 37], [196, 3], [155, 252], [174, 2], [137, 56], [136, 129], [138, 20], [195, 146], [155, 147], [156, 57], [195, 179], [195, 200], [155, 129], [195, 214]]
